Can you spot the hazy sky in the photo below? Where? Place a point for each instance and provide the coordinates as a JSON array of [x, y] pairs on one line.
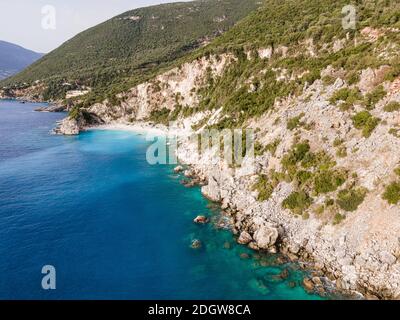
[[21, 21]]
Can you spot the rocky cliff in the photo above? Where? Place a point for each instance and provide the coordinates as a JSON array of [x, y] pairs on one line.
[[177, 88]]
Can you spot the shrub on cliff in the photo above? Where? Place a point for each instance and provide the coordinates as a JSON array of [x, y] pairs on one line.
[[264, 187], [328, 181], [347, 95], [295, 122], [302, 177], [273, 146], [372, 98], [338, 218], [366, 122], [297, 154], [392, 107], [392, 193], [75, 112], [297, 202], [350, 199], [160, 116]]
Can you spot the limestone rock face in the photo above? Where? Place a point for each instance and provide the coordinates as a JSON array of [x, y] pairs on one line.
[[211, 191], [138, 103], [68, 127], [387, 257], [244, 238], [266, 236], [71, 126]]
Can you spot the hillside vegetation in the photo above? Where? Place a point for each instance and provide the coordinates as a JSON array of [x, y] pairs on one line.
[[126, 48], [301, 36]]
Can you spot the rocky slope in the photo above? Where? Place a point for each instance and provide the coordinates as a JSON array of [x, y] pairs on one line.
[[175, 87]]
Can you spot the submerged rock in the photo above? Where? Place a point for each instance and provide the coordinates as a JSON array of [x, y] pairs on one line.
[[260, 286], [224, 222], [178, 169], [244, 256], [227, 245], [196, 244], [284, 274], [201, 220], [280, 260]]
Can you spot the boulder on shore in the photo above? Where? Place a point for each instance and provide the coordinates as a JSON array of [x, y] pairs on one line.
[[201, 220], [178, 169], [266, 236], [244, 238]]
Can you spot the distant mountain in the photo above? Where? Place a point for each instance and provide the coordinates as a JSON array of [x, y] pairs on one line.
[[127, 47], [14, 58]]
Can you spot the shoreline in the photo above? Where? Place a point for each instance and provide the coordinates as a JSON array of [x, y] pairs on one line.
[[302, 258], [135, 128]]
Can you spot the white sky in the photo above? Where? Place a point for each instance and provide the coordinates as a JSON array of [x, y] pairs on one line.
[[21, 20]]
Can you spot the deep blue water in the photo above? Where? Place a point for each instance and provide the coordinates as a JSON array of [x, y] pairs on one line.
[[113, 226]]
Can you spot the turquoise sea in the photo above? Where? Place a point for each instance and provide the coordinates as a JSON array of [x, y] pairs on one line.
[[113, 226]]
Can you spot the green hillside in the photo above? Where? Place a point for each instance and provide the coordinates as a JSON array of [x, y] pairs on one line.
[[297, 25], [287, 22], [134, 44]]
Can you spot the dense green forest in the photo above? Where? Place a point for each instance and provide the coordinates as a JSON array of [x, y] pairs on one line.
[[113, 55]]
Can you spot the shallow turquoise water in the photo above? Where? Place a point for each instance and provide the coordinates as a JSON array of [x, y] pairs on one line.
[[113, 226]]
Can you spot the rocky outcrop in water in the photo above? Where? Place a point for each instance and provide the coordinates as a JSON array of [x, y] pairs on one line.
[[201, 220], [74, 125], [69, 127], [52, 108]]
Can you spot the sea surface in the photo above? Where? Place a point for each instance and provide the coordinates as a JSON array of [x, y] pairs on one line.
[[113, 226]]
